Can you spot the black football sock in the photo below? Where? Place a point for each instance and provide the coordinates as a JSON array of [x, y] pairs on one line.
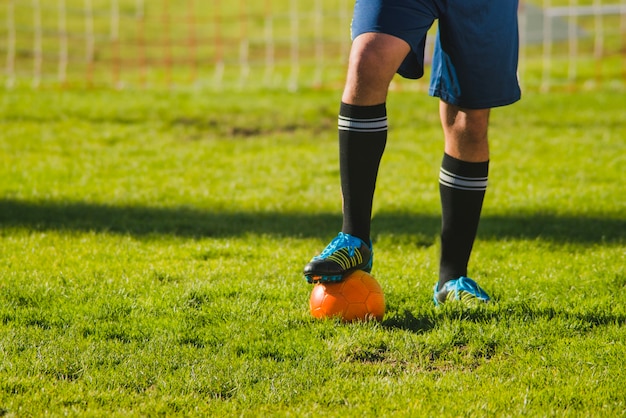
[[362, 140], [462, 187]]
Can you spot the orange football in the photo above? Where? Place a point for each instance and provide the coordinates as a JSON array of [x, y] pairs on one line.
[[358, 297]]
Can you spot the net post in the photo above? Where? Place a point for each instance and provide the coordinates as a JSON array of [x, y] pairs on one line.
[[114, 36], [192, 42], [10, 63], [598, 45], [572, 42], [63, 47], [244, 44], [295, 46], [547, 49], [318, 22], [622, 27], [167, 42], [269, 44], [219, 47], [37, 44], [89, 42]]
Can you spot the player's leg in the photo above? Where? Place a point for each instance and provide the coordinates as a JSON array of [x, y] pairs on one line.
[[465, 132], [389, 37], [374, 59], [474, 69], [462, 186]]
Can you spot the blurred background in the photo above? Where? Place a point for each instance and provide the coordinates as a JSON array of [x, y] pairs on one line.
[[270, 44]]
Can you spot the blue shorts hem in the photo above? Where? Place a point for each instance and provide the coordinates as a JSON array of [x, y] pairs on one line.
[[487, 104]]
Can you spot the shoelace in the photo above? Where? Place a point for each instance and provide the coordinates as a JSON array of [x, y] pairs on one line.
[[340, 241]]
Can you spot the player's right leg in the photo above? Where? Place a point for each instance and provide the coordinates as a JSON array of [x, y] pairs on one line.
[[362, 126], [388, 37], [374, 59]]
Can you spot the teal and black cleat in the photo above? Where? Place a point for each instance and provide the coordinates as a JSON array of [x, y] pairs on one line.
[[462, 289], [344, 254]]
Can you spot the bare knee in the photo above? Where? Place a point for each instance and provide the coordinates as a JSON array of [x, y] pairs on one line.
[[374, 59], [368, 81]]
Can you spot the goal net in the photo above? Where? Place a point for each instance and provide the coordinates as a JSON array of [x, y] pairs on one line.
[[285, 44]]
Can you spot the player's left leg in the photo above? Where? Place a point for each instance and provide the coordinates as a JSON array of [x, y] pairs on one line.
[[474, 69], [462, 186]]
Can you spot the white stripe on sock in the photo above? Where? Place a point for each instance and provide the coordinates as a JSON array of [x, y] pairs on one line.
[[460, 182], [362, 125]]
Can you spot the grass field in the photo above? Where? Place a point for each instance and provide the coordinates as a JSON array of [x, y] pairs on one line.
[[152, 243]]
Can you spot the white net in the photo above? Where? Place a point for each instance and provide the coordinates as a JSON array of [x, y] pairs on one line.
[[285, 44]]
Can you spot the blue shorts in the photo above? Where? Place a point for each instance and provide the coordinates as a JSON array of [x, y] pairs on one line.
[[476, 50]]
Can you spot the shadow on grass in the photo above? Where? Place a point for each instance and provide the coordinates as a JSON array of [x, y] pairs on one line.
[[409, 322], [198, 223], [576, 320]]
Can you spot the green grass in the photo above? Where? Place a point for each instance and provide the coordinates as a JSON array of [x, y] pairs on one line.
[[151, 248]]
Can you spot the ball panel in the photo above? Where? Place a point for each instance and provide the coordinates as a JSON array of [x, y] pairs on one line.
[[334, 305], [371, 283], [354, 290], [316, 301], [317, 296], [375, 305], [355, 311]]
